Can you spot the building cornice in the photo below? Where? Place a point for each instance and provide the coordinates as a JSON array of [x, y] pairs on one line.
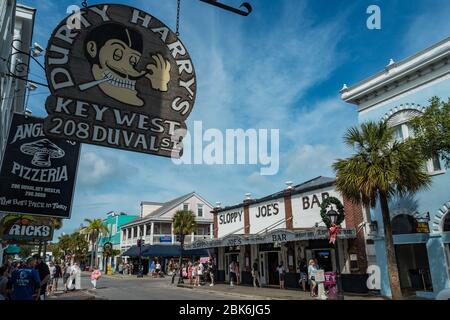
[[397, 78]]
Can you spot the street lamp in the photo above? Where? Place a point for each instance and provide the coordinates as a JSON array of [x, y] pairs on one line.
[[333, 215]]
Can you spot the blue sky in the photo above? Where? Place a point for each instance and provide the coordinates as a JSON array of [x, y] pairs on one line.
[[281, 67]]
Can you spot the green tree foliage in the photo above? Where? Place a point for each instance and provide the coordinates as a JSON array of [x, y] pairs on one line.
[[93, 230], [379, 168], [432, 130]]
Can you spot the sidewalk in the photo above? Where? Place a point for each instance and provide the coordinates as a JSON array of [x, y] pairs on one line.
[[72, 295], [267, 293]]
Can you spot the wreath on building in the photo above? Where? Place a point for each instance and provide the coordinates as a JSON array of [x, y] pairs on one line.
[[339, 208]]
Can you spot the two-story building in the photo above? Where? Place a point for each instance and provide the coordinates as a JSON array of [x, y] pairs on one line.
[[154, 226], [420, 221], [287, 227]]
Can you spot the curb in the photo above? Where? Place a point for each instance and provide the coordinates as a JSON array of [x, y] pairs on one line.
[[240, 295]]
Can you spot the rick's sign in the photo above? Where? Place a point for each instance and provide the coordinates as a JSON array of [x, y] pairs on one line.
[[122, 79], [26, 228]]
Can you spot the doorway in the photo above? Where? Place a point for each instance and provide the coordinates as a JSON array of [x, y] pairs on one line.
[[228, 258], [272, 264], [413, 267], [324, 259]]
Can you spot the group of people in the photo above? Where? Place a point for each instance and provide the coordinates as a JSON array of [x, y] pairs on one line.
[[198, 272], [27, 280], [125, 268]]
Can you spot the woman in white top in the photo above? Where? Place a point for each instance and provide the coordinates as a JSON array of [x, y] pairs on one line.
[[199, 273], [312, 277]]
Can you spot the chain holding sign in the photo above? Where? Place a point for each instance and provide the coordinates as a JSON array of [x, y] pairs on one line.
[[122, 80]]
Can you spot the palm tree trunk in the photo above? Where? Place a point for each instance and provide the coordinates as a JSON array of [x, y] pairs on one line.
[[181, 259], [390, 249], [92, 257]]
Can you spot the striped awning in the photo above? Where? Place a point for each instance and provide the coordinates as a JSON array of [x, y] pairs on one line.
[[276, 236]]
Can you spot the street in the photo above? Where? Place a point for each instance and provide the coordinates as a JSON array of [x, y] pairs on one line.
[[133, 288]]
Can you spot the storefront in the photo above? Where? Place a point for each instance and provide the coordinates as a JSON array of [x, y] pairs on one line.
[[284, 227]]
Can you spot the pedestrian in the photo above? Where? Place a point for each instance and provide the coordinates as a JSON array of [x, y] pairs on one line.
[[57, 276], [44, 274], [238, 273], [200, 270], [190, 270], [232, 273], [75, 278], [52, 270], [281, 273], [25, 283], [312, 277], [95, 275], [66, 276], [212, 271], [157, 269], [194, 273], [303, 270], [3, 283], [255, 274]]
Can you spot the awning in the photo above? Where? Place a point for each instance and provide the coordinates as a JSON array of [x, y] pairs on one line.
[[12, 249], [276, 236], [161, 250]]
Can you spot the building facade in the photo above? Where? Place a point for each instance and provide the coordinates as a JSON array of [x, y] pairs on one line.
[[114, 222], [287, 227], [154, 226], [421, 221], [16, 33]]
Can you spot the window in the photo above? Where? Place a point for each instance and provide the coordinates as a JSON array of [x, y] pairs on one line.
[[200, 210], [114, 229], [129, 233], [141, 231], [403, 224], [185, 206], [149, 229], [446, 225]]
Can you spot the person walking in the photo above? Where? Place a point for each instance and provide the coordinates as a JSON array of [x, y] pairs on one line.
[[281, 273], [95, 275], [158, 269], [25, 283], [237, 271], [56, 277], [66, 276], [190, 270], [44, 275], [232, 273], [52, 270], [200, 273], [194, 273], [312, 277], [3, 283], [255, 274], [212, 271], [303, 270]]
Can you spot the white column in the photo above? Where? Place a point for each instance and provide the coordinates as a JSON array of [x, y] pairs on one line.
[[173, 238], [152, 227], [211, 231], [144, 231]]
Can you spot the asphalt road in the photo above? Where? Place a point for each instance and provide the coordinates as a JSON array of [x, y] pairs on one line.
[[133, 288]]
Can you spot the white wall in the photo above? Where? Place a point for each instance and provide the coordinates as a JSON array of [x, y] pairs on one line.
[[231, 221], [306, 207], [266, 214]]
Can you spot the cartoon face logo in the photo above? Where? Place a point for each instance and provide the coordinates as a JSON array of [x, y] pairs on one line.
[[114, 52]]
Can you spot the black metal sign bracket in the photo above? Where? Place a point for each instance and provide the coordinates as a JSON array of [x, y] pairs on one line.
[[246, 5]]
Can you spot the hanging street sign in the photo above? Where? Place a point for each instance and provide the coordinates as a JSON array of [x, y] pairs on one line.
[[120, 79], [25, 229], [37, 175]]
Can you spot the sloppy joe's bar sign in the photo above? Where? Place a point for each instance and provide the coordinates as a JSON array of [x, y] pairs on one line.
[[38, 173], [122, 80], [231, 222], [267, 214]]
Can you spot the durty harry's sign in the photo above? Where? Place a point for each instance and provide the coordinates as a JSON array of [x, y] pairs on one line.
[[37, 175], [25, 228], [123, 79]]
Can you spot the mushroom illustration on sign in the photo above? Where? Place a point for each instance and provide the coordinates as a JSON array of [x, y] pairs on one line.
[[42, 151]]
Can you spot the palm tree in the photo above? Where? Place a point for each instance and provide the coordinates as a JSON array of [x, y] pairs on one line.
[[379, 169], [93, 230], [183, 223]]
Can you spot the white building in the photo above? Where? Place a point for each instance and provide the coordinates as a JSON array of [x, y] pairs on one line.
[[154, 225], [16, 32]]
